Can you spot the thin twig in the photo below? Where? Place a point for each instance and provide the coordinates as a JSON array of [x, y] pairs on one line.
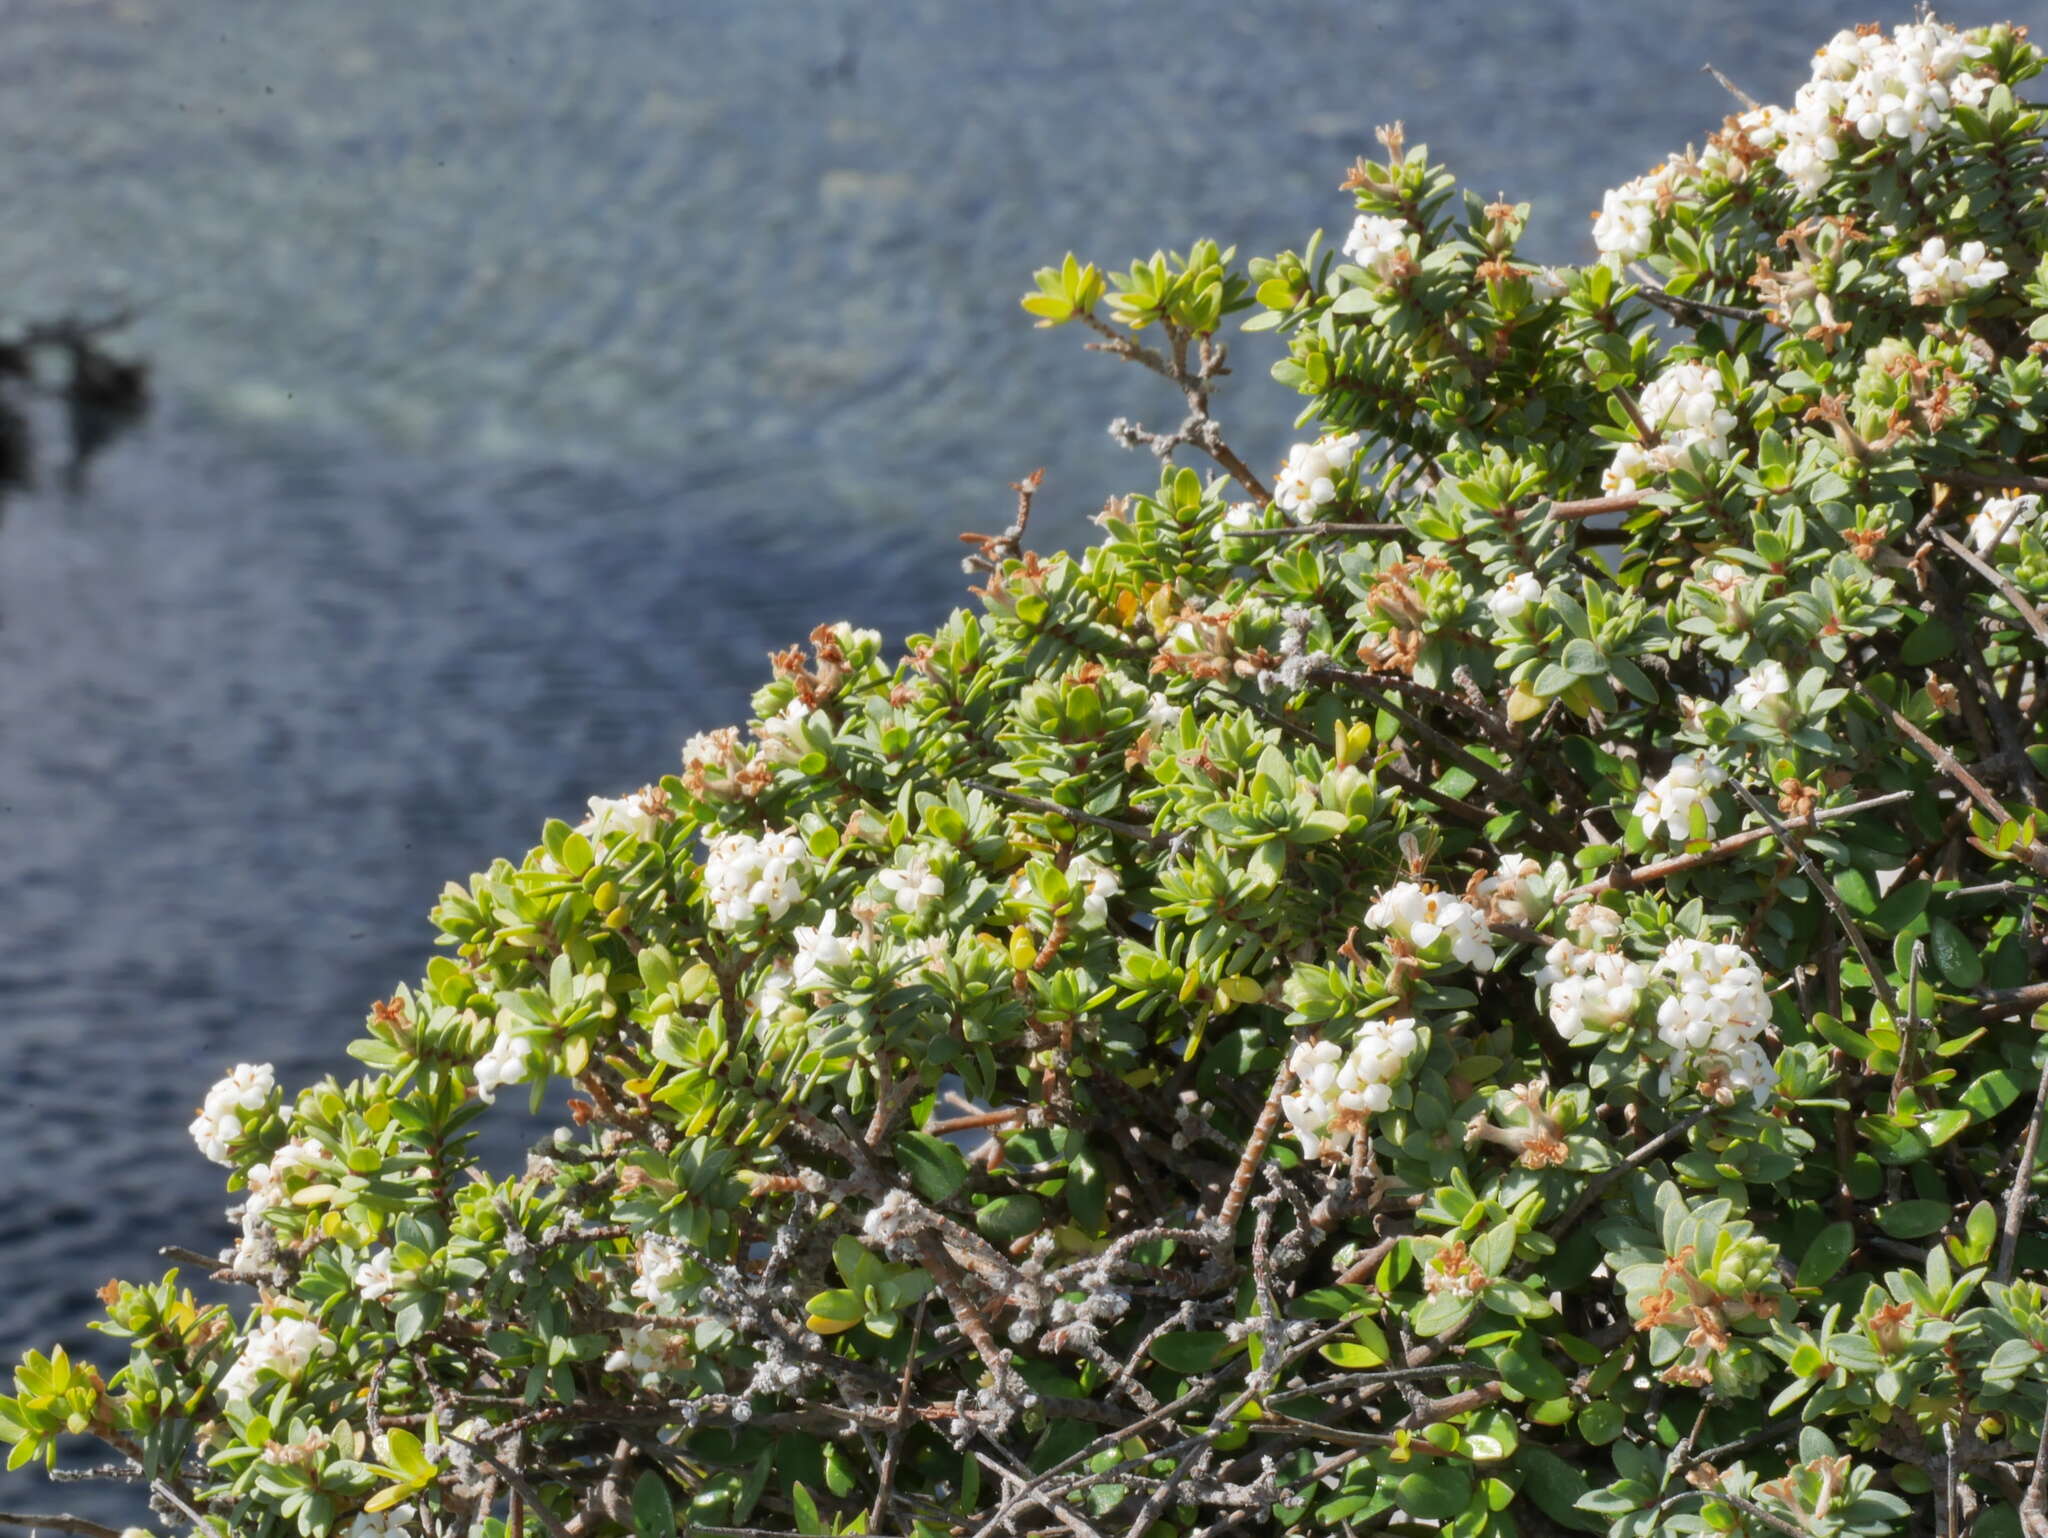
[[1828, 894], [59, 1523], [2022, 1188], [1641, 1156], [1072, 814]]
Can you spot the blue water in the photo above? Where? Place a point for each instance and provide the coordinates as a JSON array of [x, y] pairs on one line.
[[526, 371]]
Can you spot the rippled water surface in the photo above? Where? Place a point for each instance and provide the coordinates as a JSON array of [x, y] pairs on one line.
[[525, 372]]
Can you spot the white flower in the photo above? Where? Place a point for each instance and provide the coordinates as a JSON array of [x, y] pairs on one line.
[[1717, 1010], [509, 1061], [915, 886], [373, 1277], [1933, 276], [1236, 518], [2000, 519], [646, 1351], [1667, 804], [747, 878], [818, 947], [226, 1114], [658, 1267], [771, 994], [640, 813], [1440, 927], [1511, 599], [1101, 883], [392, 1522], [1592, 992], [1161, 714], [1624, 229], [280, 1343], [1507, 893], [1547, 283], [782, 735], [1308, 481], [718, 751], [1380, 246], [1760, 690], [1757, 131], [1593, 925], [267, 1186], [1336, 1091]]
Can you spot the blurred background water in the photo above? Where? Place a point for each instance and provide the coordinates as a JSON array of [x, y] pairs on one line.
[[525, 371]]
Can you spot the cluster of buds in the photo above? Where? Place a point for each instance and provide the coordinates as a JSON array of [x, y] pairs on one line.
[[231, 1106], [1713, 1019], [1309, 480], [1594, 987], [746, 877], [1335, 1091]]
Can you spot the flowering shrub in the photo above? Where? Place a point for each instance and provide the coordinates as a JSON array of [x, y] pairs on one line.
[[1491, 986]]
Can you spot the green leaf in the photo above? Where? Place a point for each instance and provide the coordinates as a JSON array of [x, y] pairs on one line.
[[1955, 955], [1824, 1257], [935, 1166], [1189, 1352], [654, 1512], [1436, 1491], [1990, 1094], [1583, 659], [807, 1519], [1912, 1220]]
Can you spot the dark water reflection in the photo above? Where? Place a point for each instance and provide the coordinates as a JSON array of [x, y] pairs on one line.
[[525, 373]]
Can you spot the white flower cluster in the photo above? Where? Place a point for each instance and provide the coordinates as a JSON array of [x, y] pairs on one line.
[[1667, 803], [1593, 993], [2000, 519], [1440, 927], [818, 947], [1513, 597], [1687, 409], [1624, 228], [1896, 88], [1760, 690], [1102, 884], [1934, 275], [1717, 1010], [226, 1113], [747, 877], [280, 1343], [1335, 1091], [509, 1061], [1308, 480], [640, 813], [1380, 246], [914, 885]]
